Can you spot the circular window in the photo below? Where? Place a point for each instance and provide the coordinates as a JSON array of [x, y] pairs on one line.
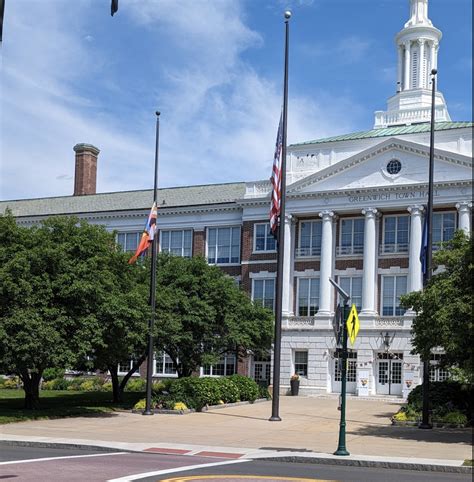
[[394, 166]]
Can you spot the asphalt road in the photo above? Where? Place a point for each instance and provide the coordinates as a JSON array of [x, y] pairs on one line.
[[38, 464]]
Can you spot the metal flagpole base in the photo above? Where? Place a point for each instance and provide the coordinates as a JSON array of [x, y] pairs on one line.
[[274, 419], [341, 452], [425, 425], [147, 412]]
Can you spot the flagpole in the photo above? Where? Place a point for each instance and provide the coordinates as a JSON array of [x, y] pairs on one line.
[[280, 242], [425, 420], [154, 251]]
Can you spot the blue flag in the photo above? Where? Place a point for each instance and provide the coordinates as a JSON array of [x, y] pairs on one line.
[[424, 249]]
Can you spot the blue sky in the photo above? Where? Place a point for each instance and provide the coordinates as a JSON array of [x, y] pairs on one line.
[[71, 73]]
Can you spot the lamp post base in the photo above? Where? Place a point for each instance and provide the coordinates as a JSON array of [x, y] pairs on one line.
[[341, 452], [147, 412], [425, 425], [274, 419]]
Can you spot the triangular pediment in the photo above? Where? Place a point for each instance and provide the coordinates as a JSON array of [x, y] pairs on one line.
[[368, 169]]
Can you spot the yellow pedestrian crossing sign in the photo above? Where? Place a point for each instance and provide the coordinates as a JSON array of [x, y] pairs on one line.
[[353, 324]]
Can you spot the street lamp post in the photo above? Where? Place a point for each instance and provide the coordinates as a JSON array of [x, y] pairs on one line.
[[341, 447]]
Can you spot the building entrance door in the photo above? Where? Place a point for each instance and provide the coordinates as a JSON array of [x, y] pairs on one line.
[[351, 380], [389, 373], [262, 369]]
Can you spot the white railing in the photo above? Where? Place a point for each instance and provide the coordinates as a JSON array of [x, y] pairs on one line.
[[308, 252], [300, 321], [393, 248], [389, 322], [254, 189], [349, 250], [407, 116]]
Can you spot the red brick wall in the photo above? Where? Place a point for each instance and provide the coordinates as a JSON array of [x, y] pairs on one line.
[[199, 243]]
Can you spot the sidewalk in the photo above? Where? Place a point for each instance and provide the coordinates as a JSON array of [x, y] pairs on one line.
[[309, 428]]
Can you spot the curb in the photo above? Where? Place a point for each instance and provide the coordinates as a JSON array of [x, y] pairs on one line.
[[371, 464], [68, 446]]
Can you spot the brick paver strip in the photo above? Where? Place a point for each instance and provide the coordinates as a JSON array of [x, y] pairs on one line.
[[159, 450], [226, 455]]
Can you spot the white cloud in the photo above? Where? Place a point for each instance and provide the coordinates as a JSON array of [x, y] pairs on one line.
[[219, 116]]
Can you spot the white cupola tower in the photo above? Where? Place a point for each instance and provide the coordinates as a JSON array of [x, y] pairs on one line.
[[417, 47]]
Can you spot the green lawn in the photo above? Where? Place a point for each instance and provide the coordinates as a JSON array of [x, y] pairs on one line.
[[59, 403]]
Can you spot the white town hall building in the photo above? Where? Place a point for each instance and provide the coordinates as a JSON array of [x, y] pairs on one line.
[[354, 212]]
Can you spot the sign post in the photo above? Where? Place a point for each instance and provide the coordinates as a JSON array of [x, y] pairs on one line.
[[350, 327]]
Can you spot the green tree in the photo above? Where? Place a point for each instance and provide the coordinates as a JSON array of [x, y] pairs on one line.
[[58, 283], [202, 314], [444, 308]]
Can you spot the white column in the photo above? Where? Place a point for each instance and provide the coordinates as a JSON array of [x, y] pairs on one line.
[[421, 69], [370, 267], [406, 80], [400, 68], [464, 220], [432, 56], [325, 270], [287, 262], [415, 275]]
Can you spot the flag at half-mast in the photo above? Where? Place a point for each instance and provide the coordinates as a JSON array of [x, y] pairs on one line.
[[276, 181], [148, 234]]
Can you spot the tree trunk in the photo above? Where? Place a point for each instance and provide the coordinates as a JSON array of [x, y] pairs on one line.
[[116, 393], [136, 365], [31, 382]]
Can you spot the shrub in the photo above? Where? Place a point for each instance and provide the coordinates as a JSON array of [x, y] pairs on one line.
[[444, 396], [229, 391], [107, 387], [140, 405], [88, 386], [400, 416], [263, 391], [53, 373], [136, 385], [60, 384], [196, 392], [248, 388], [455, 417], [180, 406], [11, 383]]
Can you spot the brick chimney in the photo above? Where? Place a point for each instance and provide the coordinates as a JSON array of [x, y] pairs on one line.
[[85, 176]]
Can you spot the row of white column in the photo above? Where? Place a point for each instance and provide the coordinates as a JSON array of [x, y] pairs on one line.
[[405, 71], [369, 275]]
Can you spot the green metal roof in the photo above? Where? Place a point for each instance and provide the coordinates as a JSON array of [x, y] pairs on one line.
[[389, 131]]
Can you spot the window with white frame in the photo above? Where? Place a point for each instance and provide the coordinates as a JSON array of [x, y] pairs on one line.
[[177, 242], [225, 366], [438, 373], [352, 236], [163, 365], [352, 285], [125, 366], [351, 373], [396, 234], [308, 296], [263, 292], [301, 363], [223, 245], [393, 288], [129, 241], [444, 225], [263, 238], [310, 238]]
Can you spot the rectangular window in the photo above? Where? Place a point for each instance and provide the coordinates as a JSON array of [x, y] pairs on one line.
[[444, 225], [125, 366], [352, 236], [264, 240], [178, 243], [263, 292], [437, 373], [129, 241], [396, 234], [223, 245], [351, 373], [163, 365], [225, 366], [301, 363], [393, 288], [310, 238], [352, 285], [308, 296]]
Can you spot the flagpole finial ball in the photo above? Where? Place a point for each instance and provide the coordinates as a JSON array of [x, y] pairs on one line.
[[287, 14], [434, 72], [157, 112]]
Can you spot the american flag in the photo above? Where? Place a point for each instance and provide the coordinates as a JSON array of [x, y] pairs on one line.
[[276, 181]]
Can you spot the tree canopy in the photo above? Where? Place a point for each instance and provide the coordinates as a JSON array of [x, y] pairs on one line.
[[444, 308], [202, 314]]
